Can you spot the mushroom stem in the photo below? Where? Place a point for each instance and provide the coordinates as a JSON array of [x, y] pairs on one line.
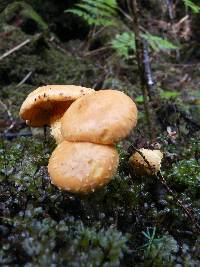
[[56, 131]]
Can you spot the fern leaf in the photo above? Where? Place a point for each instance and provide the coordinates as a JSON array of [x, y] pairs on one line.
[[157, 43], [124, 43], [190, 4], [84, 15], [103, 5], [94, 10], [99, 13]]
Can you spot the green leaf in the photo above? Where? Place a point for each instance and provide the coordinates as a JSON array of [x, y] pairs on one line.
[[124, 43], [190, 4], [139, 99], [170, 94], [157, 43], [99, 13]]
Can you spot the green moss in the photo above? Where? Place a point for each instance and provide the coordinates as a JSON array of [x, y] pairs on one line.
[[53, 226], [46, 242], [25, 12], [186, 172]]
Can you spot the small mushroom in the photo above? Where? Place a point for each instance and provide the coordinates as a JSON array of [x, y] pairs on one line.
[[47, 104], [153, 157], [104, 117], [82, 167]]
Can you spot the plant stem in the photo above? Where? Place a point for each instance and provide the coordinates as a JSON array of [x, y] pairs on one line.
[[141, 69]]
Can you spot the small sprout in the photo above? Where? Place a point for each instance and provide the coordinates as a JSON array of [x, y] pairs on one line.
[[148, 162]]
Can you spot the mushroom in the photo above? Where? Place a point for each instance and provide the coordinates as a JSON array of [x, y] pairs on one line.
[[153, 157], [104, 117], [82, 167], [47, 104]]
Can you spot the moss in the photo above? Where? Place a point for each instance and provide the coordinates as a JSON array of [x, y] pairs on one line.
[[21, 10], [43, 224], [186, 172], [84, 246]]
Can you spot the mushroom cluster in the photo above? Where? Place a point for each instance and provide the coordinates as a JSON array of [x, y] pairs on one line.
[[86, 126]]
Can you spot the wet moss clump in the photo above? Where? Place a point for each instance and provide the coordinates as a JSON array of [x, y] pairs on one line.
[[30, 20], [131, 219]]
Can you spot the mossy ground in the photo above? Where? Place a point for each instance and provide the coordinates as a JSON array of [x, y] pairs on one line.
[[133, 221]]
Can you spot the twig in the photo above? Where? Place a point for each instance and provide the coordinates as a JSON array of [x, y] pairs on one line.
[[139, 55], [147, 67], [187, 211], [54, 42], [189, 120], [25, 79], [14, 49], [96, 51], [125, 14], [10, 136], [169, 4], [9, 115], [4, 156]]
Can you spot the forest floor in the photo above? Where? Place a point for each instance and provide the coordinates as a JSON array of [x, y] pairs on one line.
[[134, 220]]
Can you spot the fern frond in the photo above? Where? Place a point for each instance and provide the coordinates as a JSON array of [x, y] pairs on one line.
[[157, 43], [190, 4], [124, 43], [94, 10], [110, 6], [99, 13], [82, 14]]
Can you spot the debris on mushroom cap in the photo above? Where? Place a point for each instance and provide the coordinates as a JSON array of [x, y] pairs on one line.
[[153, 157], [104, 117], [47, 100], [82, 167]]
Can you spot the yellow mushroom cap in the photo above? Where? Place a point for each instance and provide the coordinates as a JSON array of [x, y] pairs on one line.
[[82, 167], [49, 100], [104, 117], [154, 158]]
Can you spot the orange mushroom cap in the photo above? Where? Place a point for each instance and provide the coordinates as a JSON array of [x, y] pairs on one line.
[[82, 167], [48, 100], [104, 117], [47, 104]]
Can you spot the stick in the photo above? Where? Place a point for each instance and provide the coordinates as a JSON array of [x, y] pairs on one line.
[[25, 79], [148, 72], [139, 55], [14, 49], [9, 115], [10, 136]]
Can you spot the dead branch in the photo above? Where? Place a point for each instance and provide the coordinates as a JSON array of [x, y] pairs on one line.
[[18, 47], [12, 124], [14, 49], [25, 79], [139, 55]]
